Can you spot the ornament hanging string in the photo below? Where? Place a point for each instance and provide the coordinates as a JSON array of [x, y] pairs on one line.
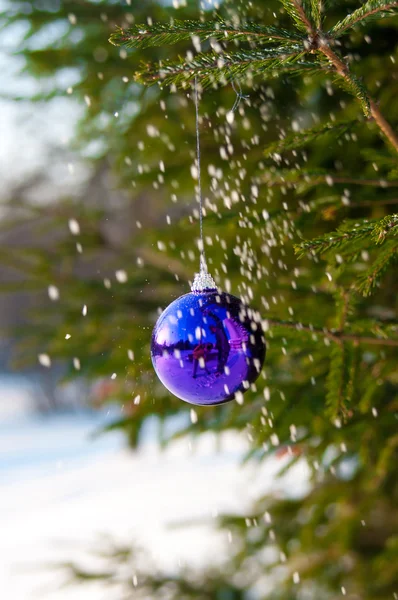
[[239, 96], [203, 264]]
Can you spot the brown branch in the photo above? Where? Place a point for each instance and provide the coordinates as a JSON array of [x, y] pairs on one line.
[[384, 125], [343, 70], [335, 336], [372, 276]]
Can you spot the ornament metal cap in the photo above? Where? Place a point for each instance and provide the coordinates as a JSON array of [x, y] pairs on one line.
[[203, 282]]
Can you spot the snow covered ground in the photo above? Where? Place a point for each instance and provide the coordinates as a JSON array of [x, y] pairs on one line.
[[61, 489]]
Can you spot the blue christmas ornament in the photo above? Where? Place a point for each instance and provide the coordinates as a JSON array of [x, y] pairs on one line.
[[207, 347]]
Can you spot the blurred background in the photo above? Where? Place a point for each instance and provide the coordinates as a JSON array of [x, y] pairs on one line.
[[110, 487]]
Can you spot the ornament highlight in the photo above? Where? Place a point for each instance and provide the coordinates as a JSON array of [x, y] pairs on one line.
[[207, 347]]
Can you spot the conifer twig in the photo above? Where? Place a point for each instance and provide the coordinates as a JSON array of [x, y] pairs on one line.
[[303, 16], [296, 11], [329, 179], [343, 70], [377, 231], [370, 279], [335, 336], [370, 10], [301, 138], [212, 68], [159, 34]]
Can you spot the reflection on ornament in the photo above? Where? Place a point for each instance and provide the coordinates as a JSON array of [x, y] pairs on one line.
[[207, 348]]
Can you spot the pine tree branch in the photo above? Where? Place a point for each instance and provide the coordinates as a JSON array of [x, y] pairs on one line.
[[337, 380], [333, 240], [371, 278], [377, 232], [344, 302], [348, 79], [316, 10], [282, 179], [161, 34], [299, 14], [301, 138], [213, 68], [335, 336], [216, 68], [345, 73], [386, 226], [353, 369], [373, 9]]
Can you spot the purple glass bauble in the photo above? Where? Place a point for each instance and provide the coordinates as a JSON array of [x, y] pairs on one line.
[[206, 347]]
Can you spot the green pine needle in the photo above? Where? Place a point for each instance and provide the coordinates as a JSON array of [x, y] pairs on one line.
[[212, 68], [345, 302], [349, 243], [373, 232], [373, 9], [356, 88], [372, 277], [308, 178], [338, 380], [301, 138], [162, 34], [300, 11], [316, 10], [388, 226]]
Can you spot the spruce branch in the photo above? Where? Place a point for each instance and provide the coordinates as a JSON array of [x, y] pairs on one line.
[[335, 336], [162, 34], [301, 138], [350, 242], [369, 280], [282, 177], [344, 303], [377, 232], [386, 226], [354, 86], [300, 12], [369, 106], [373, 9], [337, 380], [353, 371], [316, 11], [213, 68], [334, 240]]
